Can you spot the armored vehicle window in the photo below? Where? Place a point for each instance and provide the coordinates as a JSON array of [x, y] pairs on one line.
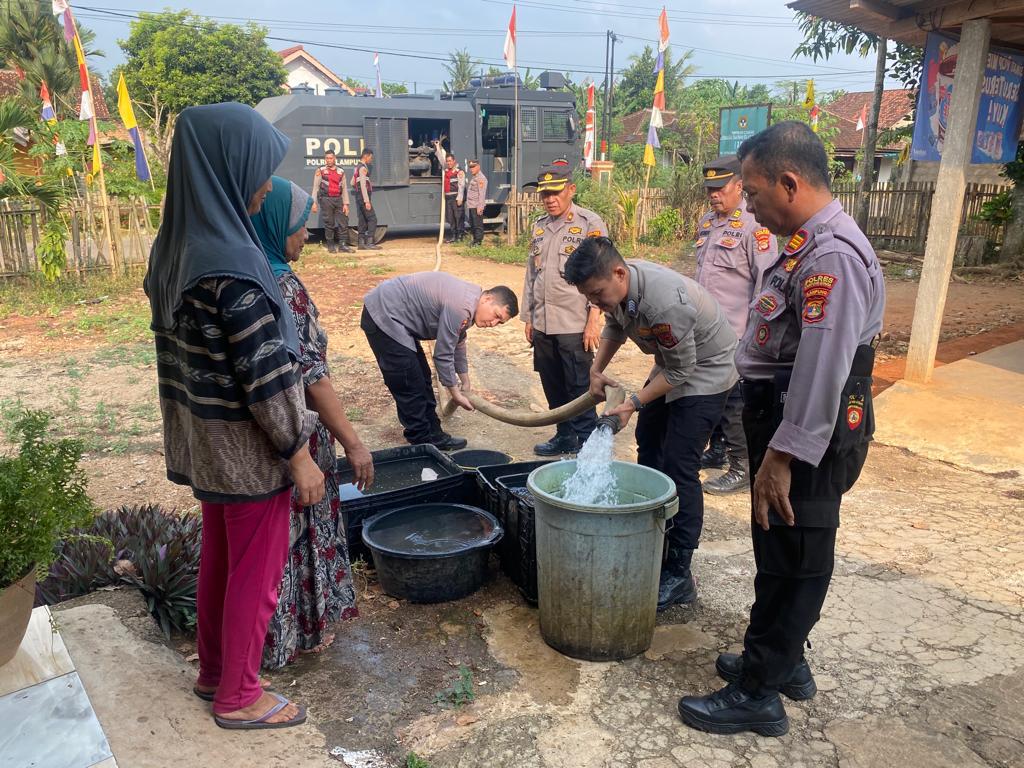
[[389, 139], [556, 125], [528, 116]]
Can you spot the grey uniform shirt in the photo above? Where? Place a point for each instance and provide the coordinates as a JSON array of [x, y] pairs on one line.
[[476, 191], [549, 303], [731, 253], [671, 317], [821, 299], [426, 306]]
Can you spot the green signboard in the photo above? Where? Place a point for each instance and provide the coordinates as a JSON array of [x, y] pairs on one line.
[[737, 124]]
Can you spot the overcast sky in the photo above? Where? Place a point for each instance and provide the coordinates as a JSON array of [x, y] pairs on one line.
[[747, 40]]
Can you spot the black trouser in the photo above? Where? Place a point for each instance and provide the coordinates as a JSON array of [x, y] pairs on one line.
[[407, 377], [730, 429], [367, 221], [670, 437], [476, 225], [335, 221], [453, 215], [794, 564], [564, 369]]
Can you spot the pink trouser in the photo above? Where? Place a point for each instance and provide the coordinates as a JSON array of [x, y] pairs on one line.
[[242, 559]]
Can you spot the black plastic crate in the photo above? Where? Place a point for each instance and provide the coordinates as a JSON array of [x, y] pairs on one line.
[[396, 484], [487, 478], [518, 548]]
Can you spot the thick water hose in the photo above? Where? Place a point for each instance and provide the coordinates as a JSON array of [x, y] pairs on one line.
[[614, 397]]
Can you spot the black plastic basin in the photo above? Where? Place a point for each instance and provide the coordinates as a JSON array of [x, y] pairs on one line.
[[471, 458], [431, 553]]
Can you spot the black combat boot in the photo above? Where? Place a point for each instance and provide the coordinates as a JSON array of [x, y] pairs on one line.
[[676, 586], [557, 445], [736, 479], [344, 247], [734, 710], [331, 248], [370, 246], [446, 442], [799, 687], [714, 456]]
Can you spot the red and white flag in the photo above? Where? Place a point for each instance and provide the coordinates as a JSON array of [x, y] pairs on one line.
[[862, 118], [588, 136], [662, 31], [510, 42]]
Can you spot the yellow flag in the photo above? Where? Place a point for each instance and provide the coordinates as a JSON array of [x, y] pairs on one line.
[[809, 97], [124, 104], [649, 155], [97, 161], [79, 53]]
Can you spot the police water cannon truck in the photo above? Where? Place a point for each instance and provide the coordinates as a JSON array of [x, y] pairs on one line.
[[477, 122]]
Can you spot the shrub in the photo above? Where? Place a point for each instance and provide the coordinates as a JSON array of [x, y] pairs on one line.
[[42, 496], [664, 228], [146, 547]]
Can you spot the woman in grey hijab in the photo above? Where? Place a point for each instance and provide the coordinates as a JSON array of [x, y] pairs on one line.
[[235, 422], [316, 589]]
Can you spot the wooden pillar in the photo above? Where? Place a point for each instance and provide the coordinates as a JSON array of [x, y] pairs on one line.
[[947, 203]]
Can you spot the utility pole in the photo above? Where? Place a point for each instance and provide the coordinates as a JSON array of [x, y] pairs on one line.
[[611, 90]]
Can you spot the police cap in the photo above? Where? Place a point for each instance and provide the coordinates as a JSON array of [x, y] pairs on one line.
[[721, 171], [553, 176]]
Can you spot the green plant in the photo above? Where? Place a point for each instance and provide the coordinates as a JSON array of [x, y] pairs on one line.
[[628, 207], [460, 692], [998, 210], [51, 251], [42, 496], [412, 760], [664, 228], [148, 548]]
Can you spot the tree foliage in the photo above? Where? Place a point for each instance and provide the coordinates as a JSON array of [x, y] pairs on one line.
[[461, 68], [32, 40], [179, 59], [635, 89]]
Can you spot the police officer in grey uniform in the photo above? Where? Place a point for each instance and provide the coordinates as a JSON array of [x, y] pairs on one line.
[[363, 189], [732, 250], [672, 318], [560, 327], [806, 361], [476, 199]]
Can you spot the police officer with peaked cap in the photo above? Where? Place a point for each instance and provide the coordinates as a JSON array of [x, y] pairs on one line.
[[806, 361], [732, 250], [673, 319], [562, 329]]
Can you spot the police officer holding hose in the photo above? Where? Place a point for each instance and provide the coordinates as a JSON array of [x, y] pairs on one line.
[[806, 361]]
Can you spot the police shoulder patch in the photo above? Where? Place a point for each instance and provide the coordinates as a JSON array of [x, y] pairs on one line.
[[700, 242], [594, 233], [538, 231], [763, 238], [663, 332], [816, 290], [797, 241]]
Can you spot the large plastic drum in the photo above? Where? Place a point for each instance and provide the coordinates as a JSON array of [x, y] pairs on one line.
[[598, 567]]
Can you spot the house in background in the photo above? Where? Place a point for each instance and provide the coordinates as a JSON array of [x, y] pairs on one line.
[[896, 112], [304, 69]]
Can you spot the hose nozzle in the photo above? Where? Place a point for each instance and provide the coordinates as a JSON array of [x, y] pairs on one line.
[[613, 423]]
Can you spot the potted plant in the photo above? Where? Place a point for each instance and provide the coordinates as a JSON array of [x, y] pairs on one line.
[[42, 497]]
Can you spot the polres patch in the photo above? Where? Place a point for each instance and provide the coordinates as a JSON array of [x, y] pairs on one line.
[[819, 285], [763, 238], [814, 311], [663, 332]]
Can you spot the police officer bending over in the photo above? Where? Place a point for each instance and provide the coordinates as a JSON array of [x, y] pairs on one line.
[[806, 362], [401, 312], [561, 328], [672, 318]]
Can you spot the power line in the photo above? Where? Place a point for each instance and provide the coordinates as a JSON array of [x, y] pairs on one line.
[[444, 58], [731, 21]]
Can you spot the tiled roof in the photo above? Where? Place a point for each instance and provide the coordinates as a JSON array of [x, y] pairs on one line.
[[897, 105], [10, 85], [634, 126]]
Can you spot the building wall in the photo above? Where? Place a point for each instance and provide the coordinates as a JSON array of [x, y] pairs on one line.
[[300, 72]]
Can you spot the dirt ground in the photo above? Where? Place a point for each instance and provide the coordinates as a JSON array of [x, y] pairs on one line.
[[918, 657]]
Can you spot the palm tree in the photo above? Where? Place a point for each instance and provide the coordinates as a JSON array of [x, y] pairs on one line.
[[32, 40], [461, 69], [14, 115]]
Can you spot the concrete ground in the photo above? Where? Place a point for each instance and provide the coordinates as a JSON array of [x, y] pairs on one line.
[[918, 657]]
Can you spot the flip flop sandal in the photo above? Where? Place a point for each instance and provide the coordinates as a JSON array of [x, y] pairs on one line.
[[209, 695], [260, 723]]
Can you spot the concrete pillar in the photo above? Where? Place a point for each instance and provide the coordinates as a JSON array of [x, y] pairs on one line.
[[947, 204]]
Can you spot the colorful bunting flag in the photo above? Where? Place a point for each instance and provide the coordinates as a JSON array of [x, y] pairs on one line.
[[48, 114], [663, 31], [809, 96], [509, 50], [862, 118], [588, 136], [658, 105], [124, 108], [815, 113], [652, 144], [376, 65], [59, 6], [69, 26]]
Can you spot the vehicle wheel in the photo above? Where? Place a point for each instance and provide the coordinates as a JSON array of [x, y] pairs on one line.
[[353, 236], [379, 234]]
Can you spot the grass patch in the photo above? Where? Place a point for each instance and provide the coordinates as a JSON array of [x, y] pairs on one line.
[[380, 269], [35, 295], [117, 325], [459, 693], [127, 354], [412, 760], [500, 252], [355, 413]]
